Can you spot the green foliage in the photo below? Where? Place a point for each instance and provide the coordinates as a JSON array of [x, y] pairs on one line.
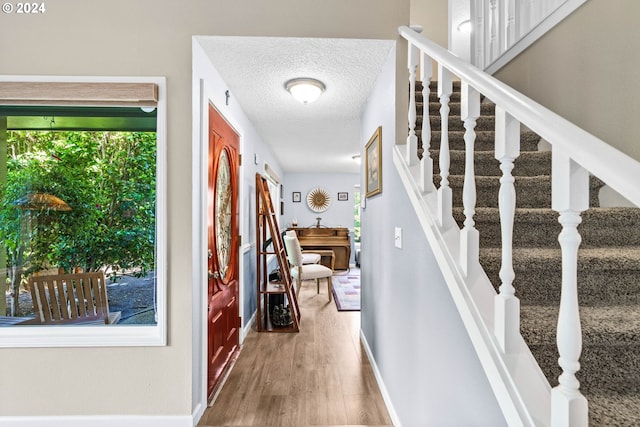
[[108, 180]]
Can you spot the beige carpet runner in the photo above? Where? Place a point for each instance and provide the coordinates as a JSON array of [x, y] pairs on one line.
[[608, 266]]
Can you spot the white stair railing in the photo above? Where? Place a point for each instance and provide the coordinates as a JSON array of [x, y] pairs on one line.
[[524, 397], [504, 28]]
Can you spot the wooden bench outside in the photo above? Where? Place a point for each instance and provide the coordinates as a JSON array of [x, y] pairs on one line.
[[71, 299]]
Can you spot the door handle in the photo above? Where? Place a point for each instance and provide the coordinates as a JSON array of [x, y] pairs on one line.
[[214, 275]]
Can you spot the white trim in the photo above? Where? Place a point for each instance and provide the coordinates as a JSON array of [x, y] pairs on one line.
[[100, 421], [245, 331], [395, 420], [115, 336], [203, 93]]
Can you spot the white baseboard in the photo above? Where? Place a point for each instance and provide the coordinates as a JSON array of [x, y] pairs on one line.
[[100, 421], [383, 389], [247, 328]]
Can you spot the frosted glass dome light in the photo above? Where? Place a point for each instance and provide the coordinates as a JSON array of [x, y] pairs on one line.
[[305, 90]]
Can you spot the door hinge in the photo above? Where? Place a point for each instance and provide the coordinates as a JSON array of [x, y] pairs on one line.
[[239, 240], [239, 159]]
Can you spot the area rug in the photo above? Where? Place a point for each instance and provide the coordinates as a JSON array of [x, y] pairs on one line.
[[346, 291]]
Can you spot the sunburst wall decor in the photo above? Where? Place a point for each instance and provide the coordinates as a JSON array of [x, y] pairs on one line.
[[318, 200]]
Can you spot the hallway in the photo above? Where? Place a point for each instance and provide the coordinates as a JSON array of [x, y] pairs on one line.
[[318, 377]]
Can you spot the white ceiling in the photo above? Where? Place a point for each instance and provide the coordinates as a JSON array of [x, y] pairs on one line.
[[318, 137]]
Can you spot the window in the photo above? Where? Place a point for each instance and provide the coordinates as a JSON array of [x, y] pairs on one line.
[[82, 167]]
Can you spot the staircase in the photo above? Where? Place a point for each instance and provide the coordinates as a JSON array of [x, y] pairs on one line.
[[608, 265]]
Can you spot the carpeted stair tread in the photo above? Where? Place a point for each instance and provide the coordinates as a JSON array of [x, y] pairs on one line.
[[485, 164], [454, 123], [531, 191], [606, 276], [600, 227], [485, 140], [605, 369], [611, 258], [454, 108], [609, 325], [624, 409]]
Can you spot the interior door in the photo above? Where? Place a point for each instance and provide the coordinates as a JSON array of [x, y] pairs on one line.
[[222, 234]]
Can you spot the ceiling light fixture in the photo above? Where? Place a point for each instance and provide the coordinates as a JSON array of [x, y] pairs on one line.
[[305, 90]]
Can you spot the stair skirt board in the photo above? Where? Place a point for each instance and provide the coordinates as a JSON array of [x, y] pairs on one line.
[[608, 264]]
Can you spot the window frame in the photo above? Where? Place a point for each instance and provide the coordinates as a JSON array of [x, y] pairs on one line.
[[97, 335]]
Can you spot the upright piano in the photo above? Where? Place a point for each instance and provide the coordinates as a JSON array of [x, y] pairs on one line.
[[336, 239]]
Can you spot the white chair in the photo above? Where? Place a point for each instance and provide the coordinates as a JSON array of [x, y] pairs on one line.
[[301, 271], [307, 257]]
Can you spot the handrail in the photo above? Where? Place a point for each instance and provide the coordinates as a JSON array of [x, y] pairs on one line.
[[575, 155], [599, 158]]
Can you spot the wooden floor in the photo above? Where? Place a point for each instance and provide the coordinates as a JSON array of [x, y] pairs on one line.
[[317, 377]]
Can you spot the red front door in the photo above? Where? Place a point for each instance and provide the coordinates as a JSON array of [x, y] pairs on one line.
[[222, 234]]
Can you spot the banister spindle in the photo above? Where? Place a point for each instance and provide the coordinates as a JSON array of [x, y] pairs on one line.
[[507, 306], [493, 31], [426, 164], [511, 23], [469, 237], [412, 139], [570, 196], [445, 198]]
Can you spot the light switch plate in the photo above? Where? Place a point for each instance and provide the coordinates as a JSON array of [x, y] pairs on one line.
[[398, 237]]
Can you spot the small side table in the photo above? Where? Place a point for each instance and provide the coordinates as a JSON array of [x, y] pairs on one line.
[[324, 254]]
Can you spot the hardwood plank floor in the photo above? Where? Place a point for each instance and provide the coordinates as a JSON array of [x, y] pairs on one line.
[[318, 377]]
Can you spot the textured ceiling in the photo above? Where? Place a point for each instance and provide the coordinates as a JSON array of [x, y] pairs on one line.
[[317, 137]]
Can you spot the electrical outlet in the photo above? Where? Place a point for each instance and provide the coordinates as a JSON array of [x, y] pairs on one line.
[[398, 238]]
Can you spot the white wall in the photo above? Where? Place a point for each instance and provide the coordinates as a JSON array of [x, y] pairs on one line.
[[339, 213], [425, 358]]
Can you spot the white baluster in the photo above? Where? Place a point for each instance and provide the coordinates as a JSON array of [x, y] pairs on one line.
[[502, 26], [477, 32], [570, 196], [426, 165], [507, 306], [511, 23], [412, 139], [445, 198], [469, 237], [493, 32]]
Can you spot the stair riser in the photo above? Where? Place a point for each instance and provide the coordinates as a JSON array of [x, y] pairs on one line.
[[483, 123], [485, 140], [530, 234], [529, 194], [528, 164], [540, 284], [454, 108]]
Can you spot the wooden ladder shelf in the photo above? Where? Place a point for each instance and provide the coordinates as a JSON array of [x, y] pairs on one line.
[[269, 242]]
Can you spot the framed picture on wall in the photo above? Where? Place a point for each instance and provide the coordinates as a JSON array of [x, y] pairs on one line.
[[373, 165], [343, 197], [296, 196]]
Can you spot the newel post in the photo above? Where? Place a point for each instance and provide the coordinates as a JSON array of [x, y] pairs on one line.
[[570, 196], [507, 306]]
